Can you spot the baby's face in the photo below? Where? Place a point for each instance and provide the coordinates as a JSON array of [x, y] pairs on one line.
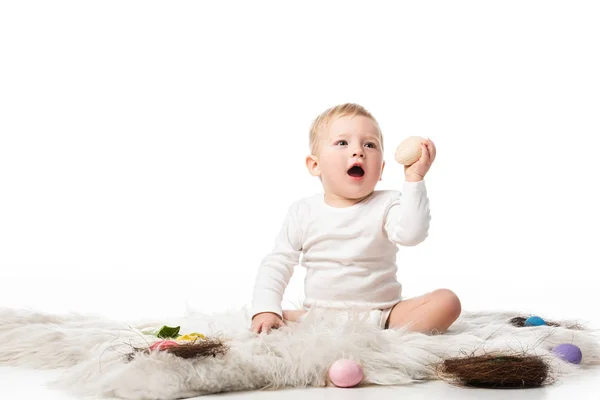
[[350, 158]]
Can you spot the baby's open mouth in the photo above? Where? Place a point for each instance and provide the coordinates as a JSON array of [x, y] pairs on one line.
[[356, 171]]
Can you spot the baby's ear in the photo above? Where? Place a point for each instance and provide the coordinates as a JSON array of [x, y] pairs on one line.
[[312, 164], [382, 168]]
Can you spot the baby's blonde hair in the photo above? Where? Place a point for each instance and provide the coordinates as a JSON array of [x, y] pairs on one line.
[[342, 110]]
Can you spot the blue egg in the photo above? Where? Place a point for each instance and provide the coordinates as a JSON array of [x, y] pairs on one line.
[[534, 321]]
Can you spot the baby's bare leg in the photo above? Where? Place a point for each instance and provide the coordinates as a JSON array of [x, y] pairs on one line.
[[293, 315], [432, 312]]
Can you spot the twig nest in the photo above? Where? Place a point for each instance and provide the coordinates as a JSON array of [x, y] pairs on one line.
[[345, 373], [199, 348], [568, 352], [496, 371], [519, 322], [409, 151]]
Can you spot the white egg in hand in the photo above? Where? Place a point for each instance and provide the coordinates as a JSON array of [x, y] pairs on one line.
[[409, 151]]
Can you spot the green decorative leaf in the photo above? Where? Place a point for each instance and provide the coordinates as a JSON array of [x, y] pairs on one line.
[[168, 332]]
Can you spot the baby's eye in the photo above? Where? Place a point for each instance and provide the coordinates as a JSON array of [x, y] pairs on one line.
[[341, 142], [371, 145]]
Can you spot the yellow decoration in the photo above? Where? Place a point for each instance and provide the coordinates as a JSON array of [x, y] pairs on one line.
[[191, 337]]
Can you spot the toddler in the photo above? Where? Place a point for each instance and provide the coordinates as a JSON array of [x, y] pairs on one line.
[[348, 236]]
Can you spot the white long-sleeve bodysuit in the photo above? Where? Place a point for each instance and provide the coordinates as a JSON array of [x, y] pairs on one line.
[[349, 253]]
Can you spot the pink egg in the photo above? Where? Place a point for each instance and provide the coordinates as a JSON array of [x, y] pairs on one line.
[[345, 373], [163, 345]]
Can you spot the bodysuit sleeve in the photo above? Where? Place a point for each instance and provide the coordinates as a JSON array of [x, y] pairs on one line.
[[407, 219], [277, 267]]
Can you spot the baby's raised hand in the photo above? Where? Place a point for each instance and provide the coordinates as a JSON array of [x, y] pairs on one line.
[[417, 171], [264, 322]]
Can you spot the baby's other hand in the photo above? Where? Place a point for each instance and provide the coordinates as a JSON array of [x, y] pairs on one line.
[[417, 171], [264, 322]]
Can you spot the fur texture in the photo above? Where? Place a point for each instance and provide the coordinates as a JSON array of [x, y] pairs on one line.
[[92, 351]]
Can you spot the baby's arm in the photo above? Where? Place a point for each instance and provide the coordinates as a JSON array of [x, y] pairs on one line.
[[407, 220], [275, 272]]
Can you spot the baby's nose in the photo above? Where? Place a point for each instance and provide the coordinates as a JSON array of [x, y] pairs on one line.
[[358, 154]]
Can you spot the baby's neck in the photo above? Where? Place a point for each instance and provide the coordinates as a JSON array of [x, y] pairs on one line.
[[333, 200]]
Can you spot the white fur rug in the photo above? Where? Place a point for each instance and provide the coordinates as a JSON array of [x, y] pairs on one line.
[[91, 351]]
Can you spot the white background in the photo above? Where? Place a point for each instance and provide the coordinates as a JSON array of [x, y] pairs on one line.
[[149, 150]]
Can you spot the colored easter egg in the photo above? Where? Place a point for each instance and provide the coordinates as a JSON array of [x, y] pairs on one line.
[[534, 321], [345, 373], [568, 352], [163, 344]]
